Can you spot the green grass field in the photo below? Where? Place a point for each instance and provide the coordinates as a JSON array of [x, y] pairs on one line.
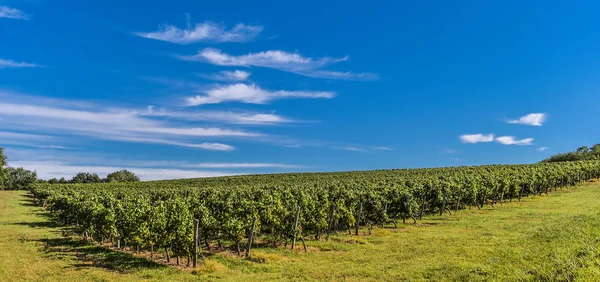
[[542, 238]]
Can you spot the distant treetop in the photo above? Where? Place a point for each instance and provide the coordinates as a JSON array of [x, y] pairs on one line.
[[582, 153], [122, 176]]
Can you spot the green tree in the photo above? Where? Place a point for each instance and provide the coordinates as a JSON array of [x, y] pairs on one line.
[[2, 169], [2, 158], [122, 176], [19, 178], [85, 177], [583, 149], [581, 154]]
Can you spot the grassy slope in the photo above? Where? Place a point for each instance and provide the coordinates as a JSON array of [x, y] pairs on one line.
[[552, 238]]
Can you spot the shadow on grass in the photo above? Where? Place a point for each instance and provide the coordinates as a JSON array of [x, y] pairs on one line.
[[40, 224], [28, 201], [93, 256], [79, 253]]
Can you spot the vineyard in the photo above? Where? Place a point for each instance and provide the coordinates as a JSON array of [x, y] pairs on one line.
[[189, 217]]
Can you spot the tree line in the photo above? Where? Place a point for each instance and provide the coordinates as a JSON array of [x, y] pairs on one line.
[[20, 179], [86, 177], [583, 153], [14, 178]]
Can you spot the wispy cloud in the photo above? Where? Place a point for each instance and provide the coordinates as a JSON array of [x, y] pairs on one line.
[[280, 60], [54, 169], [241, 165], [251, 94], [541, 149], [7, 135], [111, 124], [535, 119], [206, 146], [383, 148], [12, 13], [4, 64], [203, 32], [53, 163], [227, 76], [476, 138], [29, 140], [350, 148], [510, 140], [249, 118], [449, 151], [183, 127]]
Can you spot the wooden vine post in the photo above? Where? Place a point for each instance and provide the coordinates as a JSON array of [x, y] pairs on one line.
[[251, 237], [195, 258], [443, 207], [358, 219], [296, 227], [423, 201], [331, 218]]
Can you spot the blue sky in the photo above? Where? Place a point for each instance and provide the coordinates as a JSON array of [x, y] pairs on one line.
[[173, 89]]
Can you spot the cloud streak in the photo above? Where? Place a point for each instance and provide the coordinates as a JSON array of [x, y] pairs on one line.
[[29, 140], [246, 118], [241, 165], [109, 124], [12, 13], [4, 64], [229, 76], [476, 138], [280, 60], [535, 119], [510, 140], [251, 94], [54, 169], [65, 119], [52, 163], [203, 32]]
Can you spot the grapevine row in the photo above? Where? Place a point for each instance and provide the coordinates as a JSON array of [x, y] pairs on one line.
[[160, 214]]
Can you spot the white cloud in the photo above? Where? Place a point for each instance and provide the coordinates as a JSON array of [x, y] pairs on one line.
[[125, 122], [28, 140], [250, 93], [66, 119], [54, 169], [12, 64], [12, 13], [241, 165], [86, 157], [52, 163], [350, 148], [476, 138], [510, 140], [541, 149], [249, 118], [110, 124], [262, 119], [206, 146], [535, 119], [280, 60], [236, 75], [203, 32], [383, 148], [6, 135]]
